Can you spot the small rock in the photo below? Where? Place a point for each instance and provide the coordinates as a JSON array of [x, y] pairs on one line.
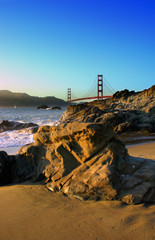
[[42, 107]]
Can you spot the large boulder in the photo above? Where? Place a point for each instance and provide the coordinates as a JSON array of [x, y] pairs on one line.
[[79, 159], [137, 183]]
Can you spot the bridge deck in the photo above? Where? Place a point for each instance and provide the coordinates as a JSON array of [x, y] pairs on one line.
[[89, 98]]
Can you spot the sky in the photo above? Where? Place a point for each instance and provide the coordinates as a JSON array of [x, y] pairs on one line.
[[47, 46]]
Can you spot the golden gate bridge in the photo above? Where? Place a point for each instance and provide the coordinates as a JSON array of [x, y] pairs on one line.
[[100, 91]]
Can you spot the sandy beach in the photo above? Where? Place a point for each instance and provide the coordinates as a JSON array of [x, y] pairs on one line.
[[10, 150], [32, 212]]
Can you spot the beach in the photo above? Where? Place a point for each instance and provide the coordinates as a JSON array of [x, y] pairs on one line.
[[33, 212], [10, 150]]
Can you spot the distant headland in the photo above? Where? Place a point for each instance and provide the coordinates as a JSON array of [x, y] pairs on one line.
[[10, 99]]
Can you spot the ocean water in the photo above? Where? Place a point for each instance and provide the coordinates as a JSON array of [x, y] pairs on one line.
[[18, 138]]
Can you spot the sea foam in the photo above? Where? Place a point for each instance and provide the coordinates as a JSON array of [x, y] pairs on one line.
[[24, 136]]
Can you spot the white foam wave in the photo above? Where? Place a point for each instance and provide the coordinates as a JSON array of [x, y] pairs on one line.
[[21, 137], [15, 138]]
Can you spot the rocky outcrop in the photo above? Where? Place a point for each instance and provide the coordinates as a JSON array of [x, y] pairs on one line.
[[42, 107], [56, 108], [6, 125], [84, 160], [137, 183], [82, 157], [126, 112], [46, 107], [126, 93], [123, 94]]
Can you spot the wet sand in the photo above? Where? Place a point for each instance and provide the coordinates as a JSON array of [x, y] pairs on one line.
[[10, 150], [32, 212]]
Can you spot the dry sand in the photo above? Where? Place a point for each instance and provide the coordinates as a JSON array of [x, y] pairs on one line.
[[32, 212], [146, 150]]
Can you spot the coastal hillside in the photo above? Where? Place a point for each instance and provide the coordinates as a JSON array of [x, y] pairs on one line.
[[10, 99]]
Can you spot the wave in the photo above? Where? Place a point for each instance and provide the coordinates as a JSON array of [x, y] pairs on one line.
[[15, 138], [17, 126], [6, 125], [20, 137]]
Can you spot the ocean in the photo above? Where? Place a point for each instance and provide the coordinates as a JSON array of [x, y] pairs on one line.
[[18, 138]]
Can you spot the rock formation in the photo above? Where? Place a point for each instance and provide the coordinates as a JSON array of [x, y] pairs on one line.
[[82, 157], [6, 125], [84, 160], [56, 108], [44, 106], [126, 112]]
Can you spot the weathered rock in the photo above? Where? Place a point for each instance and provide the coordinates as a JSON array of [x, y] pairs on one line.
[[44, 106], [56, 108], [6, 167], [125, 112], [88, 159], [78, 156], [84, 160], [10, 126], [137, 181], [30, 163], [81, 113], [123, 94], [82, 157]]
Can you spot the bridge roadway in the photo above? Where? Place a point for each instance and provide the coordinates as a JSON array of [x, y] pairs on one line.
[[89, 98]]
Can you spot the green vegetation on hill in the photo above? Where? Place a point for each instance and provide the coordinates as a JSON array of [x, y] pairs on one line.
[[10, 99]]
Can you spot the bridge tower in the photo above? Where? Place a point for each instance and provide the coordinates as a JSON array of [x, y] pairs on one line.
[[69, 95], [99, 86]]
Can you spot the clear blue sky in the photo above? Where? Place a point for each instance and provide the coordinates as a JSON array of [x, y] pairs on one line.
[[47, 46]]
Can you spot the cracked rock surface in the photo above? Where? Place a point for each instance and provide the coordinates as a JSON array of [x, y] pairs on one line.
[[84, 160]]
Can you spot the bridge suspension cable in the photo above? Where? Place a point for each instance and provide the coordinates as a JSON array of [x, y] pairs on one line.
[[105, 85], [110, 87], [91, 89], [96, 85]]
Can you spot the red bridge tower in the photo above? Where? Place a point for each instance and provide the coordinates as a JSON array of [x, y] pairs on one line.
[[69, 95], [99, 86], [99, 92]]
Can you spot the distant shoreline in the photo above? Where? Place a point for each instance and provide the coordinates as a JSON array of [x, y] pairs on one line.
[[11, 99]]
